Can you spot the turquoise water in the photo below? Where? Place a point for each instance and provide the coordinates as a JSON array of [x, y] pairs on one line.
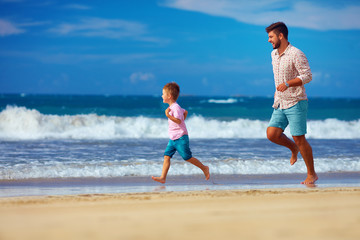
[[150, 106], [61, 141]]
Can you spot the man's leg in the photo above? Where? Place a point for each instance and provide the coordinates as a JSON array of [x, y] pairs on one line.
[[277, 136], [165, 170], [306, 153]]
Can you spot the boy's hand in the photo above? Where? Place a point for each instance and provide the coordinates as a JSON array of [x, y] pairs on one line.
[[167, 112], [175, 120]]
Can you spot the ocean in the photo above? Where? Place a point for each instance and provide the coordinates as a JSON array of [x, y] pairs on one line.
[[74, 144]]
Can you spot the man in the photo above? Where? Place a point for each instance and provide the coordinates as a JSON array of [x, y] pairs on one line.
[[291, 72]]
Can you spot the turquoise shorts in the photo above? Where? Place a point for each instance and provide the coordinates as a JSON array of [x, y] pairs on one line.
[[181, 145], [295, 117]]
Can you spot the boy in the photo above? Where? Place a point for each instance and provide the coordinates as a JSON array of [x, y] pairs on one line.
[[179, 139]]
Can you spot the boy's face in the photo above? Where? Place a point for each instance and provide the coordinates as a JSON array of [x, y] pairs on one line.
[[166, 96]]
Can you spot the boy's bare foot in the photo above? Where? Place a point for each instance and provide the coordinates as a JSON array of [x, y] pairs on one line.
[[293, 158], [159, 179], [311, 179], [207, 173]]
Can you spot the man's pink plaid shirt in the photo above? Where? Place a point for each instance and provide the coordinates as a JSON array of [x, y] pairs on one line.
[[289, 65]]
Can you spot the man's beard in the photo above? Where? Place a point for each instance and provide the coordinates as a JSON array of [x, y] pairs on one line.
[[277, 45]]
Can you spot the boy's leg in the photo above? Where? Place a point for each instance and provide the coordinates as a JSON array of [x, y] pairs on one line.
[[169, 152], [165, 170], [204, 168], [183, 148]]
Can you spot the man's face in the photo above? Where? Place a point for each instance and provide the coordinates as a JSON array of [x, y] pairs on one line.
[[274, 40]]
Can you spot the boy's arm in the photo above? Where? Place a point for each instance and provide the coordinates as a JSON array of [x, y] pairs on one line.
[[185, 114], [174, 119]]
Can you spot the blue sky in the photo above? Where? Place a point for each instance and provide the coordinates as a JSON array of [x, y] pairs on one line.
[[210, 47]]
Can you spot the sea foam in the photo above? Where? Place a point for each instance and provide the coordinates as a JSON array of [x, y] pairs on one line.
[[223, 101], [20, 123], [104, 169]]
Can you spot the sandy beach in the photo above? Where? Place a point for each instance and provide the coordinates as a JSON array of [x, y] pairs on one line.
[[312, 213]]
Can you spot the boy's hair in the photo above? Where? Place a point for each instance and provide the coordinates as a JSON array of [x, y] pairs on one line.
[[173, 89], [278, 27]]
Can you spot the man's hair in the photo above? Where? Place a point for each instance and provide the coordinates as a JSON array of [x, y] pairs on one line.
[[173, 89], [278, 27]]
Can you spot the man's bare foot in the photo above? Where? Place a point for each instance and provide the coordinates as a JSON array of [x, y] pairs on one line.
[[207, 173], [159, 179], [311, 179], [293, 158]]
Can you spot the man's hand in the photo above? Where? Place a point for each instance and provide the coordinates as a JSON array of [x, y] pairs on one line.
[[282, 87]]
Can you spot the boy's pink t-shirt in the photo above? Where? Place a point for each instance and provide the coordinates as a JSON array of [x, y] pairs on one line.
[[176, 131]]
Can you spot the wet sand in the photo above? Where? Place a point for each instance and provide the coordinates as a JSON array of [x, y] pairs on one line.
[[136, 184], [306, 213]]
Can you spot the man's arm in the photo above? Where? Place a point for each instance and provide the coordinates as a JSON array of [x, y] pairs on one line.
[[292, 83], [305, 75], [185, 114], [302, 66]]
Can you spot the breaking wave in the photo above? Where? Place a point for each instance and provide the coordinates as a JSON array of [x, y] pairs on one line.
[[20, 123]]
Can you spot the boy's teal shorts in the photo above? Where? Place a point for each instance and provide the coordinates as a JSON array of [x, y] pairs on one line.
[[181, 145], [295, 117]]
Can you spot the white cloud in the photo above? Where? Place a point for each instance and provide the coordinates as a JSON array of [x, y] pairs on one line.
[[321, 79], [303, 14], [101, 27], [107, 28], [8, 28], [140, 76], [33, 24], [205, 81], [12, 1], [71, 58], [77, 6]]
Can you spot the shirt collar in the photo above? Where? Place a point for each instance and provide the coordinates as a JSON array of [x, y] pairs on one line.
[[286, 50], [173, 105]]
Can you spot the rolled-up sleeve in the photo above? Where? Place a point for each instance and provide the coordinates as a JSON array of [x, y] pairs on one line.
[[290, 65], [303, 68]]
